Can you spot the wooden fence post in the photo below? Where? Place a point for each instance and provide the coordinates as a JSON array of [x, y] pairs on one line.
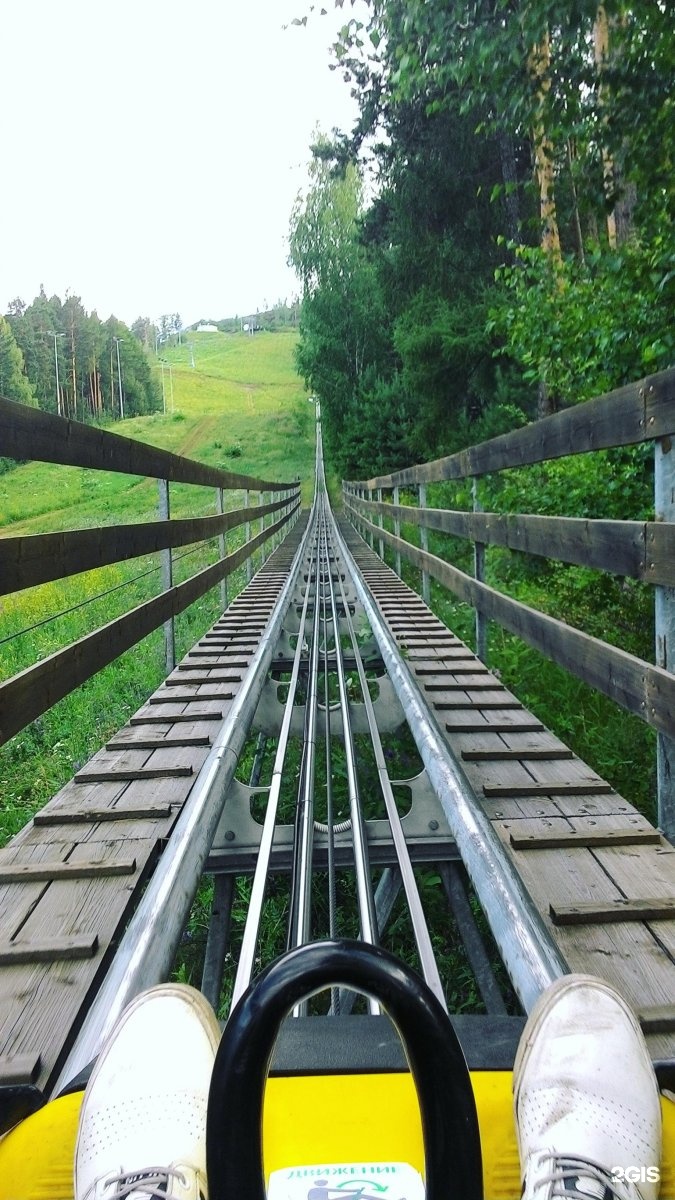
[[479, 572], [664, 606], [167, 577], [380, 521], [397, 529], [372, 535], [424, 544], [222, 545]]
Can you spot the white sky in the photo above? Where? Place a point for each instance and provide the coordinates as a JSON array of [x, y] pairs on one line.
[[153, 149]]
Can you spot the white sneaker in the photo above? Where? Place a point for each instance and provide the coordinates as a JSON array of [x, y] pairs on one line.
[[142, 1130], [586, 1099]]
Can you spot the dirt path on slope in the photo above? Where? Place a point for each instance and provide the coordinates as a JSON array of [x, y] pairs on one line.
[[200, 434]]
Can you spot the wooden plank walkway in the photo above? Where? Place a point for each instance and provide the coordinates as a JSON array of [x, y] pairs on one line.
[[73, 876], [602, 878]]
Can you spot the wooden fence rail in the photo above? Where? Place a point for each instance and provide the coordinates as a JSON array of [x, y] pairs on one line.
[[640, 549], [26, 561], [42, 557], [636, 413], [30, 693], [29, 433], [643, 550], [644, 690]]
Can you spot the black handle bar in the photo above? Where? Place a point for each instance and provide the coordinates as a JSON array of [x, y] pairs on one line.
[[234, 1122]]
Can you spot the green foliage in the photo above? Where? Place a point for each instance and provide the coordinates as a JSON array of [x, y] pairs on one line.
[[455, 104], [587, 328], [51, 332], [13, 382]]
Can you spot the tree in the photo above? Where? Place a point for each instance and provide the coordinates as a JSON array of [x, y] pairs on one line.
[[145, 331], [49, 330], [586, 90], [14, 384], [343, 323]]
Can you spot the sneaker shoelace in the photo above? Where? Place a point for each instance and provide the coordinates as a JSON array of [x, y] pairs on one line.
[[152, 1182], [571, 1178]]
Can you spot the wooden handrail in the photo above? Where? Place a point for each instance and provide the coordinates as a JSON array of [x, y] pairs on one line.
[[30, 693], [638, 686], [636, 413], [42, 557], [639, 549], [29, 433]]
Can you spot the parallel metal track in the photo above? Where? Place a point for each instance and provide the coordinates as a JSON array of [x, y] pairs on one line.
[[290, 665]]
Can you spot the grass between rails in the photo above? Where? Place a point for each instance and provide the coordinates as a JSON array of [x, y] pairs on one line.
[[241, 408]]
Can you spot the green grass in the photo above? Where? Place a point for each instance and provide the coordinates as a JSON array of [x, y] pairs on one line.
[[241, 408]]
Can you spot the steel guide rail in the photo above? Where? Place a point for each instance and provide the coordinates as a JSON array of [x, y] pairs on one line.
[[319, 650]]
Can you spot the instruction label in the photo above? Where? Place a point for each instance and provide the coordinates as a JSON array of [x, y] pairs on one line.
[[347, 1181]]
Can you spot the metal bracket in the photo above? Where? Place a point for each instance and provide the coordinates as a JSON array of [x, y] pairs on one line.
[[237, 840], [270, 711]]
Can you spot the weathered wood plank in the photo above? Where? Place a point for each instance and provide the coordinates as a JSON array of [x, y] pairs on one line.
[[82, 816], [19, 1069], [638, 686], [197, 679], [657, 1019], [631, 414], [44, 437], [175, 718], [479, 724], [38, 558], [26, 695], [621, 547], [585, 837], [54, 950], [157, 743], [524, 753], [554, 788], [188, 697], [480, 702], [620, 909], [110, 774], [56, 869]]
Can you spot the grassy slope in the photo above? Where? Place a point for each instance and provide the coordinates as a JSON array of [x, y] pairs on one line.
[[242, 408]]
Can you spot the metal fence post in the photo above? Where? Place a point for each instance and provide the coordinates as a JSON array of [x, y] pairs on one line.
[[397, 528], [247, 537], [222, 545], [380, 521], [167, 577], [263, 552], [424, 544], [664, 612], [479, 573]]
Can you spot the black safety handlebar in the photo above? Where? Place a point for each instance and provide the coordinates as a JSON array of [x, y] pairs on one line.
[[234, 1122]]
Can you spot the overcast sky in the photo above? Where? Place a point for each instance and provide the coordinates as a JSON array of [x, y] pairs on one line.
[[153, 149]]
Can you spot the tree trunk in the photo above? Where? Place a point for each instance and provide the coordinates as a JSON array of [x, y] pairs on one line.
[[507, 157], [540, 61], [601, 55], [575, 208], [546, 403]]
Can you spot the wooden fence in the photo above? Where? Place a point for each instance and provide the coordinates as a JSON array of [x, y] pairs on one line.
[[28, 433], [643, 550]]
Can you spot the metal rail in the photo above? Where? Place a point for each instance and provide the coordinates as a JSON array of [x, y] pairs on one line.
[[145, 956], [530, 955], [147, 950]]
